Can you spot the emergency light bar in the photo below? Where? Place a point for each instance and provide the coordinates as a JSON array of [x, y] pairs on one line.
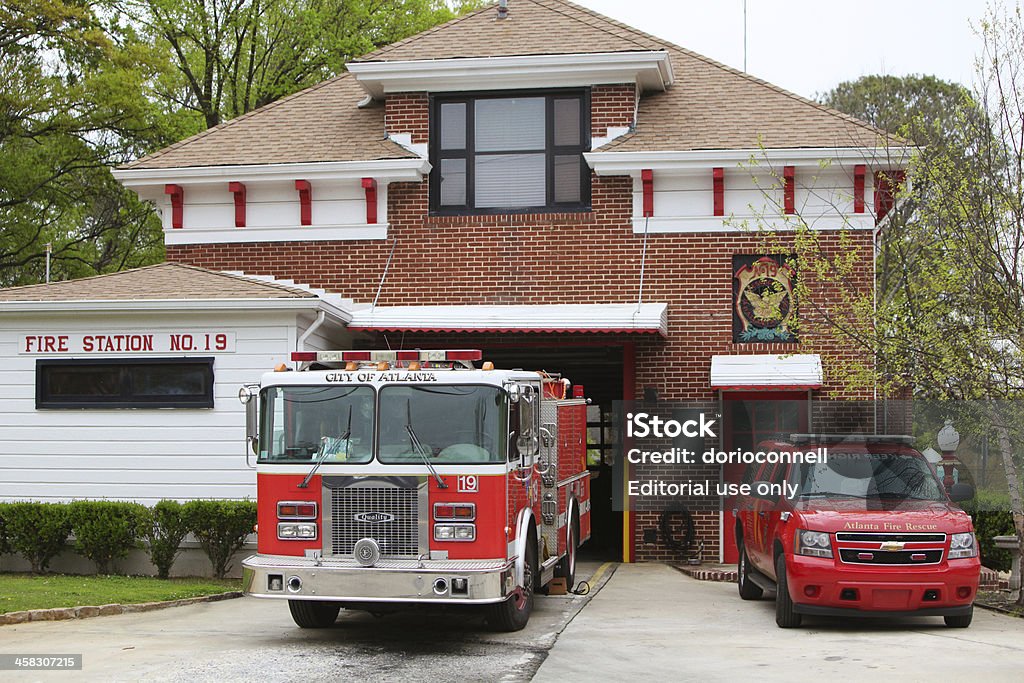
[[853, 438], [431, 355]]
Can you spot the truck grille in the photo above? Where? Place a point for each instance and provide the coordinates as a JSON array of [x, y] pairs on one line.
[[387, 514], [888, 548]]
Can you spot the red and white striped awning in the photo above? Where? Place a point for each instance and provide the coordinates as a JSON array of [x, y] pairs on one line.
[[593, 318]]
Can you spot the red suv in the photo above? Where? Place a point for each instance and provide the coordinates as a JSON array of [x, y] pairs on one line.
[[867, 531]]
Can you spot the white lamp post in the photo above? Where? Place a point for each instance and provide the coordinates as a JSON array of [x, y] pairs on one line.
[[948, 440]]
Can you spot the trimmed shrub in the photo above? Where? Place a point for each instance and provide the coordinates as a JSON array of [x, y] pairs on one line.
[[106, 530], [37, 531], [5, 546], [221, 527], [992, 517], [165, 532]]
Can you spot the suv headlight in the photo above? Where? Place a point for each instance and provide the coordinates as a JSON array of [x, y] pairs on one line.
[[962, 545], [813, 543]]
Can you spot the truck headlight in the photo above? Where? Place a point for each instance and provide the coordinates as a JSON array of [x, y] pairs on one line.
[[288, 531], [962, 545], [455, 532], [813, 543]]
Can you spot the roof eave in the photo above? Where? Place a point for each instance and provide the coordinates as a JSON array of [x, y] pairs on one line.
[[629, 163], [177, 305], [652, 69], [392, 170]]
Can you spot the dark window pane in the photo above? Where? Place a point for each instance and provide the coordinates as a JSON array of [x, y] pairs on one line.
[[567, 122], [567, 179], [453, 125], [453, 182], [167, 380], [125, 383], [510, 181], [88, 380], [508, 124]]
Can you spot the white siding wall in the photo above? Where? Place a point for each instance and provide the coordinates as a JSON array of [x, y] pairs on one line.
[[133, 454], [338, 212], [684, 202]]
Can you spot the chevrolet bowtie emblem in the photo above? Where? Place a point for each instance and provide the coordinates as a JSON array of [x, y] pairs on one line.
[[891, 546]]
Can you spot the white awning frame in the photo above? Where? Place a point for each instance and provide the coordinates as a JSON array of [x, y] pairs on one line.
[[595, 318], [766, 372]]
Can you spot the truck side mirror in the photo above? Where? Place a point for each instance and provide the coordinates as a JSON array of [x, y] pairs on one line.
[[961, 492], [248, 395]]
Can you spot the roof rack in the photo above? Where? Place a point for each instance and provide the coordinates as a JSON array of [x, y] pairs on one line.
[[852, 438]]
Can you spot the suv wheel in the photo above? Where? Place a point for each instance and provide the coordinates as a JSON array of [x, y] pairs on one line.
[[960, 620], [785, 617], [748, 589]]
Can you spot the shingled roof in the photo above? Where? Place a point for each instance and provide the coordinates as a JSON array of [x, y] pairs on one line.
[[318, 124], [710, 106], [164, 281]]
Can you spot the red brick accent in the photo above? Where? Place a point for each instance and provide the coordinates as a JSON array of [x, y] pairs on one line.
[[612, 105], [408, 113]]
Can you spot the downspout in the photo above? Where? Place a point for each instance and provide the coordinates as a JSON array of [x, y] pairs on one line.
[[300, 344]]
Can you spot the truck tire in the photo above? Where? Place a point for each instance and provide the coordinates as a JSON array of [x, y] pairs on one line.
[[507, 615], [960, 620], [313, 613], [785, 617], [567, 565], [748, 589]]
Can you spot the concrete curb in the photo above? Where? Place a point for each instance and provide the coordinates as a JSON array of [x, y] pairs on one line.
[[707, 574], [1001, 610], [62, 613]]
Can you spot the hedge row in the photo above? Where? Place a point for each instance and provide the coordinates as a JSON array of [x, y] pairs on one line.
[[104, 531], [992, 517]]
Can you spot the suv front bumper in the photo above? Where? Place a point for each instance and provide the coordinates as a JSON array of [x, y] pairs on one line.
[[426, 581], [820, 587]]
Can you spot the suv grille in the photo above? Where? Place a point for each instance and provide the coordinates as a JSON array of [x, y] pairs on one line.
[[888, 548], [851, 556], [387, 514]]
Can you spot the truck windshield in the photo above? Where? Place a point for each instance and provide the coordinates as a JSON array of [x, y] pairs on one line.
[[893, 476], [302, 423], [452, 423]]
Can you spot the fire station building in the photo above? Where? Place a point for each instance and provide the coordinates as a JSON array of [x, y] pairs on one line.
[[555, 188]]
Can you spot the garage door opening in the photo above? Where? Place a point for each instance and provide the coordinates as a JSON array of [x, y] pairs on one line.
[[600, 369]]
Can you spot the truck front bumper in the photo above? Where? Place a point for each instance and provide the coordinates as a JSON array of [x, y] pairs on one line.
[[426, 581], [820, 587]]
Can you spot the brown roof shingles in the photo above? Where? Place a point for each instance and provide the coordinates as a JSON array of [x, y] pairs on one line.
[[164, 281], [319, 124], [710, 106]]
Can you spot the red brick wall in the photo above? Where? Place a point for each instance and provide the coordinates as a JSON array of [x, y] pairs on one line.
[[591, 257], [611, 105], [407, 113]]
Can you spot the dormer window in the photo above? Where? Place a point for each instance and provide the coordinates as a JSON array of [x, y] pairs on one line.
[[510, 152]]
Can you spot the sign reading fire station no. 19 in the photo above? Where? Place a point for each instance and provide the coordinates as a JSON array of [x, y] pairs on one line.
[[186, 341]]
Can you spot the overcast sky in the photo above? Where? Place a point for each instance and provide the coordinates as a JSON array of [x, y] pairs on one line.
[[809, 46]]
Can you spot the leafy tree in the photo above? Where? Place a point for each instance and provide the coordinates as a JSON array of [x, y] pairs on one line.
[[228, 57], [71, 106], [949, 316]]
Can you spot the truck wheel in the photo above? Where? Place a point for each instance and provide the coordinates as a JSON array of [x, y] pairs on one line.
[[313, 613], [567, 565], [509, 615], [785, 617], [960, 620], [748, 589]]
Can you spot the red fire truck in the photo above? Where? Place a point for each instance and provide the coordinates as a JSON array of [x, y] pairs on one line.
[[414, 477]]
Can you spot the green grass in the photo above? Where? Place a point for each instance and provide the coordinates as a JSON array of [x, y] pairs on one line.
[[26, 591]]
